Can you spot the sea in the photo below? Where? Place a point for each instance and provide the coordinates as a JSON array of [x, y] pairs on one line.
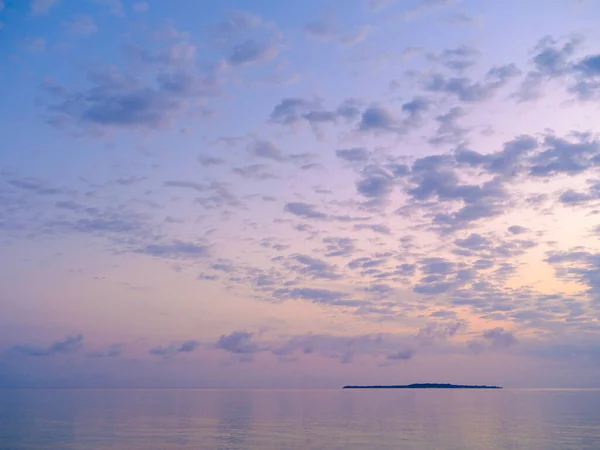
[[153, 419]]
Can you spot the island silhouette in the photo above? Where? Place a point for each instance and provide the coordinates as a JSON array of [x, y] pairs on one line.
[[425, 386]]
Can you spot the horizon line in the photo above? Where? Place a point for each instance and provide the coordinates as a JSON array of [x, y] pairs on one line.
[[250, 388]]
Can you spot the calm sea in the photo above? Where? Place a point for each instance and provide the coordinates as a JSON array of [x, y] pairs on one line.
[[299, 419]]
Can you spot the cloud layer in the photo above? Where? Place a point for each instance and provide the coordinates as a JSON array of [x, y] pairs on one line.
[[285, 191]]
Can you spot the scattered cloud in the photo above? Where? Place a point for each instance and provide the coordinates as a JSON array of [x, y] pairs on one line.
[[493, 339], [356, 154], [424, 7], [378, 5], [174, 349], [318, 296], [80, 25], [418, 203], [304, 210], [238, 342], [70, 344], [40, 7], [458, 59], [176, 250], [468, 91], [246, 39], [140, 7], [326, 28], [115, 100], [114, 7], [558, 60], [113, 351], [35, 45]]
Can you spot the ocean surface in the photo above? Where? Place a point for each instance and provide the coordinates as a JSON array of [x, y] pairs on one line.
[[86, 419]]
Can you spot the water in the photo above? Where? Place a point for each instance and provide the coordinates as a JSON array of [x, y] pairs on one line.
[[296, 419]]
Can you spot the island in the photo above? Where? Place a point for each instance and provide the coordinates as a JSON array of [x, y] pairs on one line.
[[425, 386]]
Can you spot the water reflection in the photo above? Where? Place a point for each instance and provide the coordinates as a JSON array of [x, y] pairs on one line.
[[319, 419], [235, 413]]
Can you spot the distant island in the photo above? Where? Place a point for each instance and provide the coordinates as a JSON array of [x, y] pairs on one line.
[[425, 386]]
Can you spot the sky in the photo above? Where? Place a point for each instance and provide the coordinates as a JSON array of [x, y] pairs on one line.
[[273, 194]]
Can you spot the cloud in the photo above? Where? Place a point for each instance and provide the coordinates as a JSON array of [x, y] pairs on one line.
[[449, 131], [376, 184], [326, 29], [140, 7], [551, 58], [473, 242], [318, 296], [246, 39], [401, 355], [562, 156], [339, 246], [186, 184], [172, 61], [238, 342], [494, 339], [255, 172], [250, 52], [113, 351], [462, 18], [434, 332], [507, 162], [587, 76], [434, 181], [555, 59], [440, 276], [115, 7], [423, 7], [517, 229], [571, 197], [40, 7], [109, 225], [188, 346], [357, 36], [294, 110], [267, 150], [207, 161], [499, 338], [378, 5], [415, 110], [434, 177], [291, 110], [321, 28], [80, 25], [35, 186], [356, 154], [115, 100], [35, 45], [216, 194], [475, 195], [377, 228], [458, 59], [174, 349], [343, 348], [581, 266], [378, 118], [346, 348], [70, 344], [176, 250], [366, 263], [304, 210], [468, 91], [315, 268]]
